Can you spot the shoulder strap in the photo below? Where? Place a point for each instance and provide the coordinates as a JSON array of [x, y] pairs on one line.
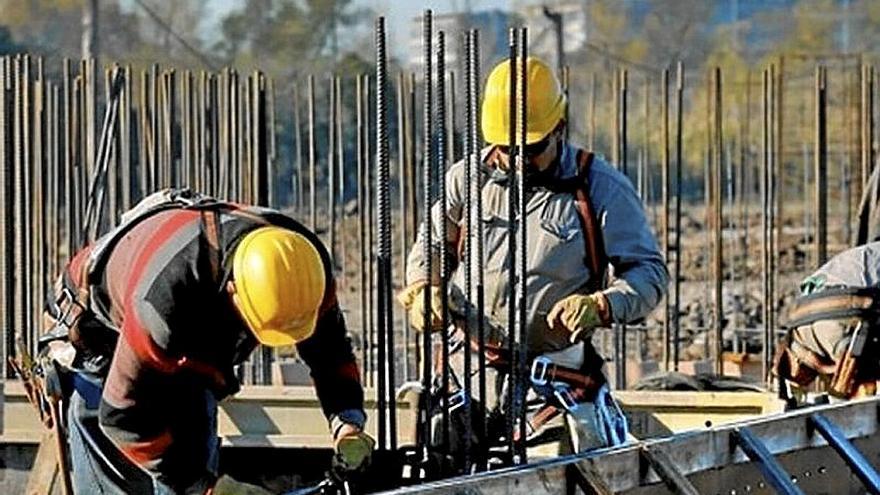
[[836, 303], [596, 259]]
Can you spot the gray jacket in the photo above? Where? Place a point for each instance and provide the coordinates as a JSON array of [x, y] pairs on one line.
[[556, 264]]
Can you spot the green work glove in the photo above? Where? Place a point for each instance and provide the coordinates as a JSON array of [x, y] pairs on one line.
[[580, 314], [413, 299], [225, 485], [353, 448]]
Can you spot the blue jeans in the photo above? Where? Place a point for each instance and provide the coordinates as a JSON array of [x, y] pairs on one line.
[[98, 465]]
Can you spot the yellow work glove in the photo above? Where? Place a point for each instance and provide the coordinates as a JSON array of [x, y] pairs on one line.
[[413, 299], [227, 486], [580, 314], [354, 447]]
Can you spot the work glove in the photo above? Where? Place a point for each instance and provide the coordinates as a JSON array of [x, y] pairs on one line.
[[413, 299], [225, 485], [354, 447], [580, 314]]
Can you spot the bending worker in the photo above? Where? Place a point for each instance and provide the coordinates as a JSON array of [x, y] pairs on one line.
[[162, 308], [582, 216]]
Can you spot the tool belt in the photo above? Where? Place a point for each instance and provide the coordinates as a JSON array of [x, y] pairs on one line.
[[856, 308]]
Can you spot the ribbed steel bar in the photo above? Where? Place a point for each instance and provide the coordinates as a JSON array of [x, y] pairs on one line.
[[363, 259], [426, 235], [467, 257], [402, 185], [664, 226], [442, 157], [340, 179], [679, 166], [384, 306], [298, 156], [313, 218], [522, 252], [621, 333], [7, 181], [820, 155], [717, 220], [479, 284], [514, 386], [331, 169], [766, 223]]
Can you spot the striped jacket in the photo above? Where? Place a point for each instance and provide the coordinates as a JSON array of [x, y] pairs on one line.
[[180, 336]]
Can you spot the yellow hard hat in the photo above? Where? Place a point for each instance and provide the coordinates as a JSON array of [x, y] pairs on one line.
[[279, 285], [545, 105]]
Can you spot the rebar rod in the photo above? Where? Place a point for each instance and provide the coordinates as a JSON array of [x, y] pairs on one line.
[[820, 156], [664, 228], [467, 258], [717, 225], [477, 178], [522, 254], [427, 246], [679, 165], [331, 170], [384, 306], [313, 219], [512, 375], [442, 157]]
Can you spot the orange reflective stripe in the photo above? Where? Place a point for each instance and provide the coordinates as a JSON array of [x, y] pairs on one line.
[[149, 450]]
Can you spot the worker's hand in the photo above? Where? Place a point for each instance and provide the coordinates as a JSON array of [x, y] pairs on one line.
[[227, 486], [354, 447], [413, 299], [580, 314]]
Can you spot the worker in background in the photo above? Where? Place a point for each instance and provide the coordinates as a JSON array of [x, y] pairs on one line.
[[161, 309], [583, 215]]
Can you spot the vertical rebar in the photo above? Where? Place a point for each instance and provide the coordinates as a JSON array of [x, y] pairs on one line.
[[402, 185], [440, 112], [664, 193], [427, 246], [313, 219], [7, 181], [820, 156], [679, 165], [298, 157], [331, 169], [522, 255], [717, 225], [467, 258], [477, 178], [620, 334], [363, 259], [513, 376], [766, 222], [384, 306], [340, 179]]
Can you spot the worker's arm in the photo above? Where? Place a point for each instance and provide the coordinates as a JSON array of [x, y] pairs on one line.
[[334, 370], [640, 276], [415, 266]]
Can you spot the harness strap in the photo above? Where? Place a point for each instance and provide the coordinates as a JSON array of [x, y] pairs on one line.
[[836, 303], [596, 259]]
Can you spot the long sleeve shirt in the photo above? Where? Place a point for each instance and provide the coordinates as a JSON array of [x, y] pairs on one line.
[[180, 337], [556, 250]]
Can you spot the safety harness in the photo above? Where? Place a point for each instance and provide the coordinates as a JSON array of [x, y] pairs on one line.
[[858, 308]]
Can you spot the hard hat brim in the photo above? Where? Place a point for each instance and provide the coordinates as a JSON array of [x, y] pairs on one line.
[[276, 337]]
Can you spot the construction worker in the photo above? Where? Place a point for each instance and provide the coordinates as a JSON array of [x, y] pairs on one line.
[[830, 329], [161, 309], [582, 215]]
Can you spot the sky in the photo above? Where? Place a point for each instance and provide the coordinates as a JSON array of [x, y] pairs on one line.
[[398, 13]]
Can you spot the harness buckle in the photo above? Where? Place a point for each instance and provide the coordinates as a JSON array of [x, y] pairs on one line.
[[457, 400], [540, 371], [564, 396], [68, 296]]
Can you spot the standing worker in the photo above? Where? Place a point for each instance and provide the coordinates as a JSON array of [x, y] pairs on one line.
[[161, 309], [582, 216]]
